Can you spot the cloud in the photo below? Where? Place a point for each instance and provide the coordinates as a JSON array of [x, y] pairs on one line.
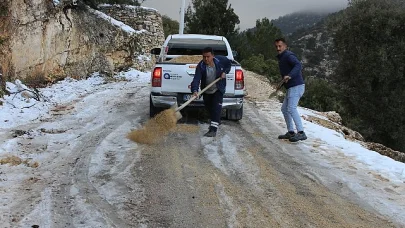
[[255, 9]]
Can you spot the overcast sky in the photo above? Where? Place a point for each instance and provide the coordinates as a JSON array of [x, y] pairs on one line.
[[250, 10]]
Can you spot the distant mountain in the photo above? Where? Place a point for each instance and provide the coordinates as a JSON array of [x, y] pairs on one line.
[[314, 46], [290, 23]]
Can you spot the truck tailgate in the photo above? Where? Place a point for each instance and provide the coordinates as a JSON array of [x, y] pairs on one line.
[[178, 78]]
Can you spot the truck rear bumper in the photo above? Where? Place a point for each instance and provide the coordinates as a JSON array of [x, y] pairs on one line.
[[232, 102], [167, 101], [163, 101]]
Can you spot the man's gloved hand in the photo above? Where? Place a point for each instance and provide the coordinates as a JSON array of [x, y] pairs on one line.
[[195, 94]]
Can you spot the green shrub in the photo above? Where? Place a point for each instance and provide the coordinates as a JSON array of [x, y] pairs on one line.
[[259, 65], [3, 10], [320, 95]]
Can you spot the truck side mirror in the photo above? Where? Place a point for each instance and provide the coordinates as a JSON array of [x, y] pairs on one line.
[[155, 51]]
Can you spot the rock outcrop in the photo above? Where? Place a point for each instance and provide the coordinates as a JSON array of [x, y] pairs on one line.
[[146, 20], [334, 122], [55, 39]]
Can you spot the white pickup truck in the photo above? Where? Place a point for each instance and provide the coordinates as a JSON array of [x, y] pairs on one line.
[[170, 80]]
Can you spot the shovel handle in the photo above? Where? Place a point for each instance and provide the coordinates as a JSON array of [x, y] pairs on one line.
[[279, 85], [198, 94]]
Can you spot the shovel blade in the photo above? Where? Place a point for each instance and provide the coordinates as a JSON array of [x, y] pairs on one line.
[[273, 94], [177, 113]]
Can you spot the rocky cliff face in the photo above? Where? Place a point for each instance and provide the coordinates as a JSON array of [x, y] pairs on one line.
[[58, 39], [146, 20], [4, 42]]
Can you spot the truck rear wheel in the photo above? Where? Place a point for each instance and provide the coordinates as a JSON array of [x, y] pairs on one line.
[[153, 111], [234, 114]]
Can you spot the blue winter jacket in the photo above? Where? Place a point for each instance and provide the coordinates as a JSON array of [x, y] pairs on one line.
[[222, 64], [291, 66]]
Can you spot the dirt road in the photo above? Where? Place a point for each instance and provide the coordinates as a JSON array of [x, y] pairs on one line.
[[92, 176]]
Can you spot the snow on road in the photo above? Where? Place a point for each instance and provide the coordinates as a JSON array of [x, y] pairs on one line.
[[54, 146]]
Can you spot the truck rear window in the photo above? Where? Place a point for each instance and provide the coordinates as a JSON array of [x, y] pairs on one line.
[[195, 46]]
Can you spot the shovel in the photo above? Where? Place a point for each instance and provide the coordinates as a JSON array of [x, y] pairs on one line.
[[279, 85], [177, 109]]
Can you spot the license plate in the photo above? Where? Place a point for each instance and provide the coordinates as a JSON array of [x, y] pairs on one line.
[[187, 97]]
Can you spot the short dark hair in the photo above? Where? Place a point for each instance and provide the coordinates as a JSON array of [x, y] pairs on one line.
[[208, 49], [280, 39]]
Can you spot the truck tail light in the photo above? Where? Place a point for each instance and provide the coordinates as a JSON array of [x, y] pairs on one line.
[[239, 79], [157, 77]]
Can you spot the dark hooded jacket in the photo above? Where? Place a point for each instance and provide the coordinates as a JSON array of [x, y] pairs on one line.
[[222, 64], [290, 65]]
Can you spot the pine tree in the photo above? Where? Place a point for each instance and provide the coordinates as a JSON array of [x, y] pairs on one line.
[[170, 26], [370, 42], [213, 17]]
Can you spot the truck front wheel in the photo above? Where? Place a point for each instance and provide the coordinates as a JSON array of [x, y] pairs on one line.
[[234, 114]]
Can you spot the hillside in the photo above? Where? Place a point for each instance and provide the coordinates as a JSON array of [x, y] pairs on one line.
[[314, 46], [290, 23]]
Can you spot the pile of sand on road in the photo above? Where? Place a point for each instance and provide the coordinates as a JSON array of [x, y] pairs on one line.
[[187, 59], [155, 129]]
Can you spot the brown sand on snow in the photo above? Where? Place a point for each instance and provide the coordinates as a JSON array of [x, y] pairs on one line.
[[155, 129], [14, 161], [185, 128]]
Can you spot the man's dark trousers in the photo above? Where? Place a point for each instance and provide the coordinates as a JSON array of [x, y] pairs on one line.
[[213, 104]]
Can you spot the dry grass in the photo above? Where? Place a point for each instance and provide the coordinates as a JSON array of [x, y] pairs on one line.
[[187, 59], [14, 161], [155, 129]]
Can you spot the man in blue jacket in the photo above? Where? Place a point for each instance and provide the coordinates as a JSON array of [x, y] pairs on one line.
[[290, 70], [207, 71]]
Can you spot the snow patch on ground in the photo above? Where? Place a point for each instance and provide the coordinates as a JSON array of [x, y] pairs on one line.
[[41, 215], [353, 164]]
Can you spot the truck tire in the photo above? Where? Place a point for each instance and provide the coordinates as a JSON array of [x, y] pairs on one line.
[[153, 111], [234, 114]]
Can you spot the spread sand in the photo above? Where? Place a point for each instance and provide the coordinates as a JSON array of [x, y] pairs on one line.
[[185, 128], [155, 129], [14, 161]]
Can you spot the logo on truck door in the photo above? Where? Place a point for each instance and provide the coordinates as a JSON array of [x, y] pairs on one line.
[[168, 76]]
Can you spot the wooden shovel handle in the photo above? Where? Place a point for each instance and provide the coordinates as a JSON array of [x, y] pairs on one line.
[[279, 85], [198, 94]]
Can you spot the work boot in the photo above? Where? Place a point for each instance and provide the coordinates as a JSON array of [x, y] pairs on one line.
[[209, 126], [287, 135], [210, 134], [297, 137]]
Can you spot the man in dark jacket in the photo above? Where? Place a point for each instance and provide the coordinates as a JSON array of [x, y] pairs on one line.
[[290, 70], [207, 71]]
